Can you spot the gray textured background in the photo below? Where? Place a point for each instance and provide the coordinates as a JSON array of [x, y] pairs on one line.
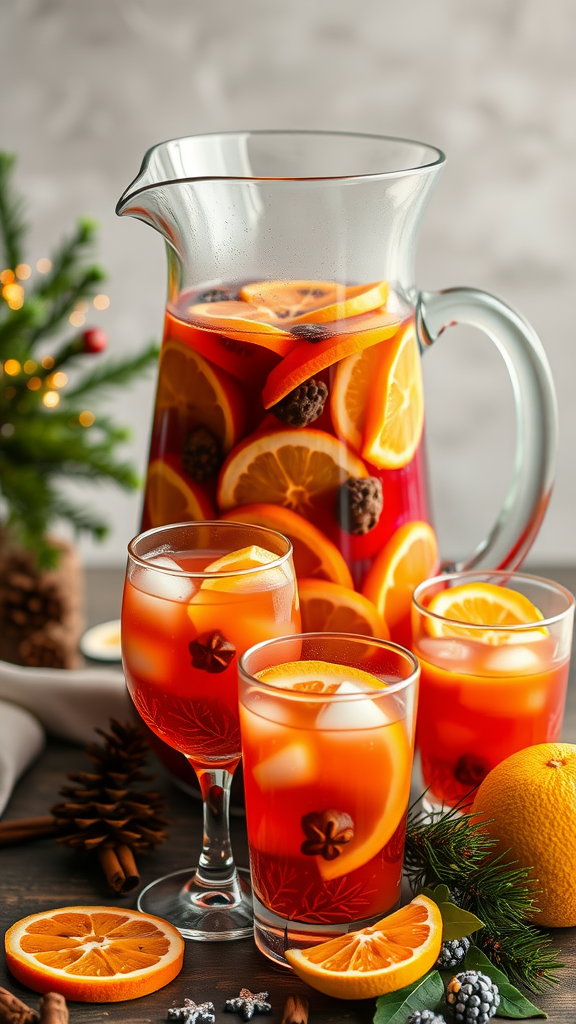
[[88, 85]]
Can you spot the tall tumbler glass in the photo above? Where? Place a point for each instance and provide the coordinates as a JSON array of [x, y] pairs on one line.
[[494, 673], [196, 596], [327, 725]]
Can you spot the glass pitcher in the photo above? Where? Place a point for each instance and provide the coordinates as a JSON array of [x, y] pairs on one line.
[[290, 388]]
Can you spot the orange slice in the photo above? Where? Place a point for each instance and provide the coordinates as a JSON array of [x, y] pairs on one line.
[[308, 358], [326, 606], [172, 498], [94, 954], [393, 953], [243, 322], [314, 554], [318, 302], [252, 557], [318, 677], [485, 604], [395, 415], [409, 557], [300, 469], [351, 390], [205, 395]]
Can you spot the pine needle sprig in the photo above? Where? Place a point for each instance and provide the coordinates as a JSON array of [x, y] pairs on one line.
[[454, 849], [114, 373], [12, 222]]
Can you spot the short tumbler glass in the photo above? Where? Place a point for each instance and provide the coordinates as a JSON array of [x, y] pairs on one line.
[[487, 690], [327, 723]]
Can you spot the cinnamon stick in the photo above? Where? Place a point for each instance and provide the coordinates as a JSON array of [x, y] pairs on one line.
[[53, 1009], [13, 1011], [111, 867], [128, 864], [296, 1010], [25, 830]]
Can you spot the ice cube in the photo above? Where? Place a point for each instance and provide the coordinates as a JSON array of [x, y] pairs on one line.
[[437, 650], [170, 587], [514, 660], [294, 765], [362, 713], [146, 660]]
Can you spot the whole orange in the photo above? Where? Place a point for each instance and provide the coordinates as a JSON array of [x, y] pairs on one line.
[[531, 799]]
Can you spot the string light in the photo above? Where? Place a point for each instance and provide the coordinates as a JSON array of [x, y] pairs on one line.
[[77, 319], [12, 367], [101, 301], [58, 379], [82, 307], [47, 362], [86, 418], [7, 429], [30, 366], [23, 271], [34, 384], [51, 399], [7, 277], [14, 295], [44, 266]]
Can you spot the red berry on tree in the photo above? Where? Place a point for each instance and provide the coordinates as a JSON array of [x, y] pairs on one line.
[[95, 340]]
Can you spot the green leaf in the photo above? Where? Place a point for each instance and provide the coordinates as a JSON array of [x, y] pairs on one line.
[[441, 894], [457, 923], [423, 994], [476, 960], [512, 1003]]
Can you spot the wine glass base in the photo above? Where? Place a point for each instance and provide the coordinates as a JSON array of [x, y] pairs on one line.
[[202, 913]]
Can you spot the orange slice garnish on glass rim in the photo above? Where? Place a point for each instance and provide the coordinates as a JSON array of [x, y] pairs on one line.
[[390, 954], [205, 395], [409, 557], [94, 954], [395, 413], [314, 554], [173, 498], [484, 605], [300, 469], [329, 607]]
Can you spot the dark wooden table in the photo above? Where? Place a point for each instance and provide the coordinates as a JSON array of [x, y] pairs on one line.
[[45, 876]]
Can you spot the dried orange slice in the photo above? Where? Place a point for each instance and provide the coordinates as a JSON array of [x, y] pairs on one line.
[[393, 953], [485, 604], [243, 322], [409, 557], [204, 395], [318, 302], [351, 390], [94, 954], [395, 415], [314, 554], [300, 469], [326, 606], [346, 337], [172, 498]]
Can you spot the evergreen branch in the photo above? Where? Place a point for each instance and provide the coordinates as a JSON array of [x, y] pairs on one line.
[[15, 328], [81, 519], [12, 223], [115, 373], [454, 849], [65, 260], [59, 309]]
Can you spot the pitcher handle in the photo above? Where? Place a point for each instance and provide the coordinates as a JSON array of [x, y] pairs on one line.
[[536, 415]]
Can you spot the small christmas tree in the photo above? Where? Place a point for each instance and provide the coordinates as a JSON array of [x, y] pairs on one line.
[[48, 431]]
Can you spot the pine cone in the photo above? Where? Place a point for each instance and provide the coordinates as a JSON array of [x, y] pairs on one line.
[[103, 810]]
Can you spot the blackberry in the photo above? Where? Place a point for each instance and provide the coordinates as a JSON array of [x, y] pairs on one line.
[[201, 454], [310, 332], [452, 954], [474, 998], [425, 1017], [214, 295], [302, 405], [359, 504]]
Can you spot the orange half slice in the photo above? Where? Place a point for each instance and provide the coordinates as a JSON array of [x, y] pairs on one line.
[[485, 604]]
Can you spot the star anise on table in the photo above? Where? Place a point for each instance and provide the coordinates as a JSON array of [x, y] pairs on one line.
[[327, 833], [248, 1003], [193, 1013], [211, 652]]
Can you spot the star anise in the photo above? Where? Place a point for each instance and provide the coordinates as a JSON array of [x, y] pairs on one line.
[[193, 1013], [248, 1003], [211, 652], [327, 832]]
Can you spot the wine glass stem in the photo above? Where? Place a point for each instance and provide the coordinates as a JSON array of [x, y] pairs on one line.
[[216, 864]]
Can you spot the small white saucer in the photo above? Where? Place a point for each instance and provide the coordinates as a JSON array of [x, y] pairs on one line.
[[102, 643]]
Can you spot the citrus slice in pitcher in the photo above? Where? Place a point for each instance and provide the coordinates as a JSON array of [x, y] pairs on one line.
[[351, 390], [204, 395], [409, 557], [395, 414], [389, 955], [173, 498], [94, 954], [485, 604], [314, 301], [314, 554], [300, 469], [242, 321], [329, 607]]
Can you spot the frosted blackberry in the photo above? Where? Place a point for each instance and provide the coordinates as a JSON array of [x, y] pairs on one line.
[[452, 954], [425, 1017], [474, 998]]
